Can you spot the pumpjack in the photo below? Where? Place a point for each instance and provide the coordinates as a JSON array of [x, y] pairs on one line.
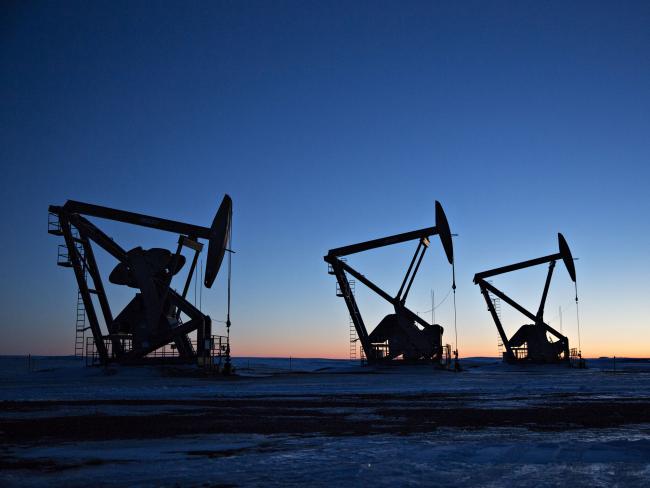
[[404, 334], [531, 342], [158, 315]]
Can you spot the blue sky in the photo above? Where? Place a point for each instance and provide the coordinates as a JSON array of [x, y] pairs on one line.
[[331, 123]]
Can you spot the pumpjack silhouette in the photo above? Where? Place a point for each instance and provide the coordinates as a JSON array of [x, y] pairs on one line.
[[531, 343], [403, 334], [157, 315]]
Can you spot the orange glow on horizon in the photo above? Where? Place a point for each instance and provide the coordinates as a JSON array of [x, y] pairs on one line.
[[341, 353]]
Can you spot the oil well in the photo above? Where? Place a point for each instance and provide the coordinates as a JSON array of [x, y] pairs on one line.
[[532, 343], [402, 335], [155, 325]]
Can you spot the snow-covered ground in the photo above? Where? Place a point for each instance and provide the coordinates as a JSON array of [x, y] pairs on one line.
[[67, 379], [320, 422]]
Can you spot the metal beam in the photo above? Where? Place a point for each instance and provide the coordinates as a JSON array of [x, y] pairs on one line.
[[205, 329], [516, 266], [551, 330], [415, 316], [519, 308], [383, 241], [102, 240], [547, 284], [417, 267], [508, 300], [143, 220], [346, 267], [408, 271], [98, 285], [366, 281]]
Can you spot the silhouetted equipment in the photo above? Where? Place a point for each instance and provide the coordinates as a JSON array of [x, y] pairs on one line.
[[219, 235], [530, 343], [403, 334], [157, 317]]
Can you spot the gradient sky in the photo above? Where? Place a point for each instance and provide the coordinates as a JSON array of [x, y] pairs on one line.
[[331, 123]]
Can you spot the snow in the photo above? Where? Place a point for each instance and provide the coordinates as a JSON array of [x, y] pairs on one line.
[[517, 455], [67, 378], [493, 457]]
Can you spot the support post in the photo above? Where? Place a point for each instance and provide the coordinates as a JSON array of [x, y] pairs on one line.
[[417, 267], [542, 303], [408, 271]]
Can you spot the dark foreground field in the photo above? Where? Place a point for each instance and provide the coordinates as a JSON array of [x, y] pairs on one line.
[[327, 423]]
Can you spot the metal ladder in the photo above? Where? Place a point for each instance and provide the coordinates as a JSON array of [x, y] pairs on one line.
[[63, 259], [353, 341], [496, 302], [80, 327], [80, 322], [353, 331]]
